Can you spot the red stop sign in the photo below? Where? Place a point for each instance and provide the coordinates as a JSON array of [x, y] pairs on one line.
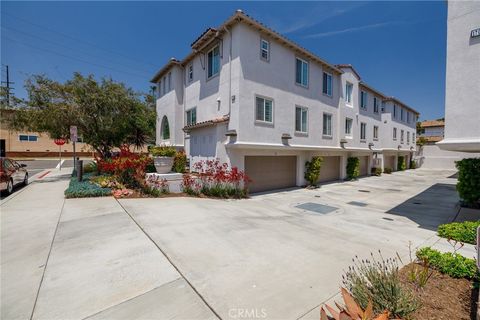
[[59, 142]]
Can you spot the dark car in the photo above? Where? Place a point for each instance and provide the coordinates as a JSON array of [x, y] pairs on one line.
[[12, 174]]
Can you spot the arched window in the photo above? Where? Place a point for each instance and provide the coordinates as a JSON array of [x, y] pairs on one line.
[[165, 129]]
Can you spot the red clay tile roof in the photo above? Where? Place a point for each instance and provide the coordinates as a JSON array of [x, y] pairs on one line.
[[432, 123], [431, 139], [206, 123]]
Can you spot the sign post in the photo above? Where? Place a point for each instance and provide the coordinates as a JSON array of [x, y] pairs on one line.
[[74, 139], [59, 142]]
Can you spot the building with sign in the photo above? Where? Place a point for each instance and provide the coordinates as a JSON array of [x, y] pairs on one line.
[[462, 96]]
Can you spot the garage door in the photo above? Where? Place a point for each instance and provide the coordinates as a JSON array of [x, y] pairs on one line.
[[330, 170], [363, 165], [271, 172], [389, 162]]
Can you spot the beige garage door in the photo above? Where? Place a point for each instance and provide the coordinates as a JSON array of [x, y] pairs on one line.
[[330, 170], [363, 165], [389, 162], [271, 172]]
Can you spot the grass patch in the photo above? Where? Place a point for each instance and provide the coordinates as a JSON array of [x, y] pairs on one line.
[[452, 264], [460, 231], [85, 188]]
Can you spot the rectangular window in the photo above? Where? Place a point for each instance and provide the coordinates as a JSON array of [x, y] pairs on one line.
[[190, 73], [213, 62], [301, 72], [23, 137], [401, 136], [265, 50], [169, 81], [413, 138], [375, 104], [363, 100], [327, 124], [164, 85], [26, 137], [264, 110], [348, 93], [401, 114], [363, 131], [301, 118], [348, 126], [408, 116], [159, 88], [327, 84], [375, 132], [394, 111], [408, 137], [192, 116], [383, 106], [394, 133]]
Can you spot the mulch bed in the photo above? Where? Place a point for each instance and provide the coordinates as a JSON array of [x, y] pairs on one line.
[[444, 297]]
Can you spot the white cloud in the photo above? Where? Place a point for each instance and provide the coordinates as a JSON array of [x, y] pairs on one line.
[[353, 29]]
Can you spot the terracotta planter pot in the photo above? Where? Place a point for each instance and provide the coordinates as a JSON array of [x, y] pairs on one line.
[[163, 164]]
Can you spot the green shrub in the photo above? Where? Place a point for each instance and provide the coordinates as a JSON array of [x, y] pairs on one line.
[[163, 151], [413, 164], [312, 170], [387, 170], [179, 162], [90, 167], [460, 231], [421, 141], [401, 165], [85, 188], [378, 281], [353, 168], [452, 264], [468, 185], [377, 172]]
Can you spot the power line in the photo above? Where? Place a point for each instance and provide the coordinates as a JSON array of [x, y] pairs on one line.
[[74, 58], [60, 44], [7, 85], [80, 40]]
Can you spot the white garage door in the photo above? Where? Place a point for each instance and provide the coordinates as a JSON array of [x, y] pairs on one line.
[[271, 172]]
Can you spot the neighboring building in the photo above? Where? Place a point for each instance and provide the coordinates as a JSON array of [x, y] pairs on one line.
[[34, 144], [462, 98], [256, 100], [430, 156]]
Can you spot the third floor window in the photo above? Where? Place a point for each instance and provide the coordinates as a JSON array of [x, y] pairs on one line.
[[363, 99], [327, 84], [301, 72], [265, 49], [375, 104], [213, 62], [348, 93]]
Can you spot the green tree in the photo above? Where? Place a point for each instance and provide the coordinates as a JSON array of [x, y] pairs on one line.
[[107, 113]]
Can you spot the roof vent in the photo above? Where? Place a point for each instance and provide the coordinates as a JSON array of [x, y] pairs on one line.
[[239, 10]]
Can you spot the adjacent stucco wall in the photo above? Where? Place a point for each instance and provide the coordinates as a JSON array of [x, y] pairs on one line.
[[462, 101], [430, 156]]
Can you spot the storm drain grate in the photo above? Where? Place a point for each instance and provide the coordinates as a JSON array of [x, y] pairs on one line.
[[358, 203], [388, 219], [395, 190], [364, 190], [316, 207]]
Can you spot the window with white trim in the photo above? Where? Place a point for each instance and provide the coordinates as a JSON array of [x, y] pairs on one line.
[[301, 72], [375, 132], [213, 62], [408, 137], [363, 99], [394, 111], [394, 133], [348, 126], [327, 124], [348, 93], [375, 104], [402, 133], [264, 49], [301, 119], [27, 137], [190, 72], [327, 84], [264, 110], [363, 131], [191, 116]]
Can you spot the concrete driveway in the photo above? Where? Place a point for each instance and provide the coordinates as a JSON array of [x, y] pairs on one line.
[[276, 256]]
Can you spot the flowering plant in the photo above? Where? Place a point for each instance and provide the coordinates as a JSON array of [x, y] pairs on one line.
[[154, 181], [120, 193]]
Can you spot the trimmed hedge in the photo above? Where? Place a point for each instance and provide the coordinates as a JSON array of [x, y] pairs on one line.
[[460, 231], [353, 168], [454, 265], [401, 165], [85, 189], [468, 185]]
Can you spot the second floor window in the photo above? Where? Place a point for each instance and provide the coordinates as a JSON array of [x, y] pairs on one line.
[[301, 119], [327, 84], [363, 131], [375, 132], [348, 126], [401, 136], [264, 49], [408, 137], [190, 73], [192, 116], [394, 111], [264, 110], [363, 100], [394, 133], [327, 124], [301, 72], [348, 93], [375, 104], [213, 62]]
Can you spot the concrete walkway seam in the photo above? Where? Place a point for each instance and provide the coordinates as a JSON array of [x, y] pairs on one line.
[[171, 262]]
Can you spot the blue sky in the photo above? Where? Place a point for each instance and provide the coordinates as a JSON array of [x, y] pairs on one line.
[[397, 47]]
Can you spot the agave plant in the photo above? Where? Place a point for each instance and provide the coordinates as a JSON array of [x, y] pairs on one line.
[[351, 310]]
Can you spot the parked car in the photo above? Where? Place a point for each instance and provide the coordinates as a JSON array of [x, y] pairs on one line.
[[12, 174]]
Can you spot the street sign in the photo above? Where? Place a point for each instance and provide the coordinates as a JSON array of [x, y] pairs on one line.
[[59, 142], [73, 133]]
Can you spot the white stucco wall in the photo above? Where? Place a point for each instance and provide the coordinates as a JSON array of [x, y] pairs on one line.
[[432, 157]]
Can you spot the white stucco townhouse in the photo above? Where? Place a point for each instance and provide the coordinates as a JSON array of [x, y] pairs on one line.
[[256, 100]]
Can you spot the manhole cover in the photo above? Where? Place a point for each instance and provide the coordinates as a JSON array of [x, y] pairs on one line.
[[364, 190], [316, 207], [358, 203]]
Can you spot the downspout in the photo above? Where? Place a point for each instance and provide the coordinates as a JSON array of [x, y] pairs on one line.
[[230, 77]]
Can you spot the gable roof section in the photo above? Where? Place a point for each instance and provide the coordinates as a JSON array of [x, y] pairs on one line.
[[349, 66], [206, 123]]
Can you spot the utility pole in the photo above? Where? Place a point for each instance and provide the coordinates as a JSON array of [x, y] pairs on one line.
[[7, 84]]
